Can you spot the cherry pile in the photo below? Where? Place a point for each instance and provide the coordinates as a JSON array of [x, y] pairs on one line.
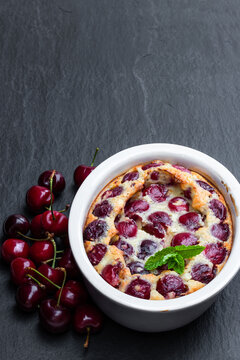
[[47, 278]]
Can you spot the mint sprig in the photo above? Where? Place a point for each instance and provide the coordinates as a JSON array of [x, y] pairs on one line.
[[173, 256]]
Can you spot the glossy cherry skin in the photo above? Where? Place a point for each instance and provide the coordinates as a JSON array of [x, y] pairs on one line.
[[58, 226], [58, 181], [36, 227], [87, 316], [55, 275], [80, 174], [14, 248], [67, 261], [29, 295], [15, 223], [38, 198], [73, 294], [19, 270], [41, 251], [54, 318]]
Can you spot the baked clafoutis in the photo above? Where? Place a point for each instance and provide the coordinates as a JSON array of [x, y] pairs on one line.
[[158, 231]]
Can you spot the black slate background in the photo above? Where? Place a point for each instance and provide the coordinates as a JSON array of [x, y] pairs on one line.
[[78, 74]]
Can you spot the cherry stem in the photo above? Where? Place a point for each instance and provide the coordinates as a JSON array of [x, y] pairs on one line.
[[51, 184], [59, 251], [63, 283], [49, 237], [49, 260], [38, 282], [87, 338], [50, 281], [66, 208], [94, 156], [55, 253]]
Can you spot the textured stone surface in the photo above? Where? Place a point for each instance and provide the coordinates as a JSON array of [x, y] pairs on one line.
[[78, 74]]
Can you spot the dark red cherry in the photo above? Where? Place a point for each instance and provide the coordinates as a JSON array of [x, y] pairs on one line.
[[14, 224], [41, 251], [155, 175], [124, 246], [102, 209], [136, 206], [81, 173], [220, 231], [13, 248], [87, 316], [68, 262], [95, 230], [133, 175], [29, 295], [97, 253], [55, 275], [58, 225], [184, 238], [54, 318], [190, 220], [202, 273], [147, 248], [218, 209], [216, 253], [36, 227], [136, 267], [160, 217], [73, 294], [110, 273], [157, 192], [58, 181], [178, 203], [171, 286], [139, 288], [206, 186], [127, 228], [179, 167], [188, 193], [19, 270], [155, 229], [151, 165], [38, 198], [112, 193]]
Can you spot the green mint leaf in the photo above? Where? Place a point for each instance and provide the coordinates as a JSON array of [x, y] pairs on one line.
[[188, 252], [173, 256]]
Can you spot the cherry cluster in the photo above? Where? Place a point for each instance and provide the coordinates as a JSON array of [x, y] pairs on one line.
[[48, 278]]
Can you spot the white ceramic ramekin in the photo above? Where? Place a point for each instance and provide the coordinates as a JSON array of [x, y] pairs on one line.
[[153, 315]]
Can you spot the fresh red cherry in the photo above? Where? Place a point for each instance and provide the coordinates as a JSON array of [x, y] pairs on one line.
[[68, 262], [14, 224], [38, 198], [110, 273], [19, 270], [139, 288], [82, 171], [53, 317], [41, 251], [36, 227], [97, 253], [178, 203], [13, 248], [58, 181], [73, 294], [184, 238], [29, 295], [55, 275], [171, 286], [87, 318], [57, 225]]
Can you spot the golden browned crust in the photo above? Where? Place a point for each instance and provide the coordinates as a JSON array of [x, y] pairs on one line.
[[200, 203]]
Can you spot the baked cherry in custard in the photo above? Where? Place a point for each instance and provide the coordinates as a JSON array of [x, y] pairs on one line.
[[154, 207]]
